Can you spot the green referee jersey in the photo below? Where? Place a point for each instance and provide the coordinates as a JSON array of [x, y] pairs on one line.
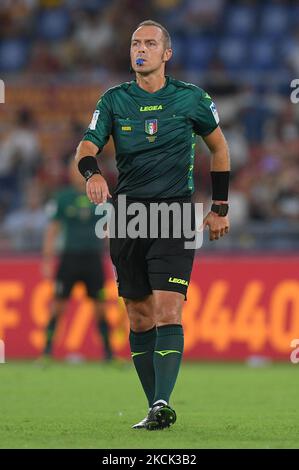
[[154, 135], [77, 217]]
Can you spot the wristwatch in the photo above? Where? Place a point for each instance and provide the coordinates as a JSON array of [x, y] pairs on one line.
[[220, 209]]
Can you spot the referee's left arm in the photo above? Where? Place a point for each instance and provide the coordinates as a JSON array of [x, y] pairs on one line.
[[220, 167], [218, 147]]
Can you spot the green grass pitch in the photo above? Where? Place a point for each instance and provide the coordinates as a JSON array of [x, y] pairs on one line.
[[91, 405]]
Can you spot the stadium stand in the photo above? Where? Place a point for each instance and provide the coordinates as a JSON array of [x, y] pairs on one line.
[[57, 57]]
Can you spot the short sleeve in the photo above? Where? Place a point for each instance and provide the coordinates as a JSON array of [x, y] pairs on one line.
[[100, 126], [204, 113]]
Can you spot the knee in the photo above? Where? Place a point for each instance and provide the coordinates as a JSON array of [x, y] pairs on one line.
[[168, 306], [140, 323], [141, 316], [167, 316]]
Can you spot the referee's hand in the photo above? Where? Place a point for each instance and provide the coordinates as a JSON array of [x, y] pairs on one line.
[[97, 189], [218, 226]]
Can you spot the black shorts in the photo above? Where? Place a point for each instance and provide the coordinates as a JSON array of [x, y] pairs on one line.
[[84, 267], [153, 263]]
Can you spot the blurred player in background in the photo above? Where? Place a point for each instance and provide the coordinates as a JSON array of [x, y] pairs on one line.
[[153, 120], [72, 217]]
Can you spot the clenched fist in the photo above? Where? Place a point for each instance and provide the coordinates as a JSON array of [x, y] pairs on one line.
[[218, 226]]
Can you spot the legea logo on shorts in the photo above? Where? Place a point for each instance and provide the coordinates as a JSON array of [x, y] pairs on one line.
[[2, 352], [175, 280]]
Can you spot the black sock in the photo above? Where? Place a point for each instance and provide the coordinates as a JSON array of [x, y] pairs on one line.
[[142, 350], [167, 359], [103, 328], [50, 334]]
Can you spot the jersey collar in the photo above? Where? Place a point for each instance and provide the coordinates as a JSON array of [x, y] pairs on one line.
[[143, 92]]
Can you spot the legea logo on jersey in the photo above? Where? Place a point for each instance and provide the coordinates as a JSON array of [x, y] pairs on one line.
[[158, 107]]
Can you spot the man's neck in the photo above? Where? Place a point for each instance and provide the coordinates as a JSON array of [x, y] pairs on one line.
[[150, 83]]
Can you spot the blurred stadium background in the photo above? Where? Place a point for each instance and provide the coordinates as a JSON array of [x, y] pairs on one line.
[[56, 58]]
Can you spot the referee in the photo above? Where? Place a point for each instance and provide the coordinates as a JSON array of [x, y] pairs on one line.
[[154, 120], [73, 222]]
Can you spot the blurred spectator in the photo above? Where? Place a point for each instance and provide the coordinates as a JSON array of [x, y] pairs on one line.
[[254, 115], [202, 16], [94, 35], [21, 146], [25, 227], [44, 60], [19, 157], [292, 52], [238, 145], [239, 208], [16, 17]]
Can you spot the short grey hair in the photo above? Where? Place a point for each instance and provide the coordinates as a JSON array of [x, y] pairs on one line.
[[166, 35]]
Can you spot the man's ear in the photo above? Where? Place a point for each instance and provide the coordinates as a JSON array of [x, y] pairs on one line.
[[167, 55]]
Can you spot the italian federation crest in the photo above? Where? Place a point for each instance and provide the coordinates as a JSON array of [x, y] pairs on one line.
[[151, 126]]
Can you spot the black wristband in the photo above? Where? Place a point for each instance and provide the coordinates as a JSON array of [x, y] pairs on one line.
[[88, 167], [220, 184]]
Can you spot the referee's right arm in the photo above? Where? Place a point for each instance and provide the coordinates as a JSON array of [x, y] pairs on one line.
[[96, 186]]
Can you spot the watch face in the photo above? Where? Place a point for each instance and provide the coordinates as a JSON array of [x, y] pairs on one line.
[[88, 174], [220, 209], [223, 210]]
